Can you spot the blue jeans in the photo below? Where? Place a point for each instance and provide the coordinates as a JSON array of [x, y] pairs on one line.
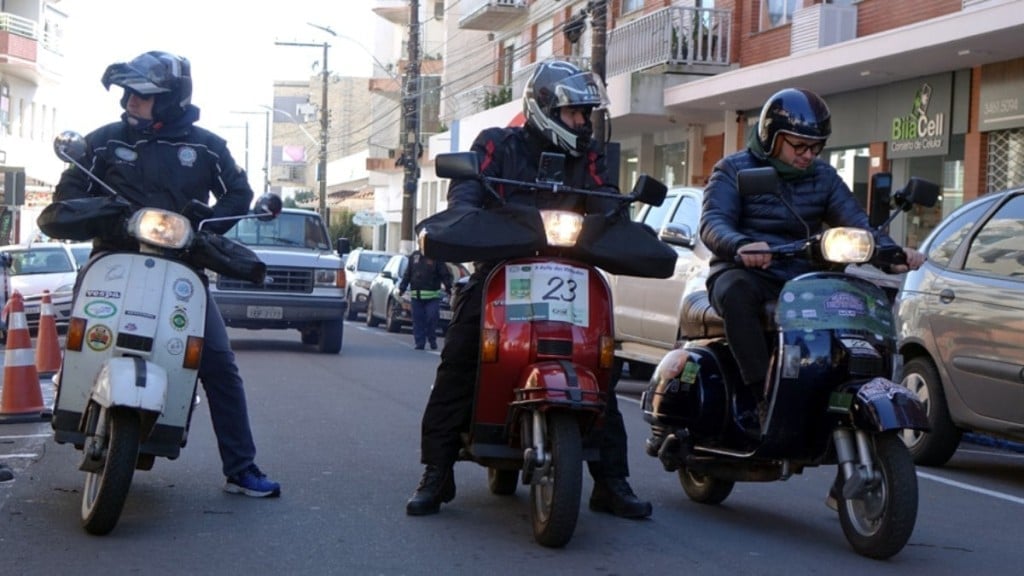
[[219, 374], [425, 314]]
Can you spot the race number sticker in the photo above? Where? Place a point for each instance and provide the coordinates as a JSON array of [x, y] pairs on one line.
[[547, 291]]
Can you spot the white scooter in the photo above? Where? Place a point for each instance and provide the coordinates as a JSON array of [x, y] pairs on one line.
[[127, 386]]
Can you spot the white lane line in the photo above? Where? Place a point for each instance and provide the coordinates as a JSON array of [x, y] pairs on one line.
[[970, 488], [22, 436], [13, 456]]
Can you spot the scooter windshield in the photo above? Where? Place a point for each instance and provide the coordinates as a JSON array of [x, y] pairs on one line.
[[830, 302]]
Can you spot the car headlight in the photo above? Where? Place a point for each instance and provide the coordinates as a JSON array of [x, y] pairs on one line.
[[160, 228], [328, 277], [847, 245], [561, 227], [363, 284], [64, 288]]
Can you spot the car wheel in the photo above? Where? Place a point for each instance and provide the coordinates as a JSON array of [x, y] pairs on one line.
[[309, 336], [394, 322], [936, 447], [371, 321], [331, 333], [351, 313]]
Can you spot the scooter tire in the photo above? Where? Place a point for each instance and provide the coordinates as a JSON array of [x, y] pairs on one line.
[[555, 501], [704, 489], [105, 492], [879, 524]]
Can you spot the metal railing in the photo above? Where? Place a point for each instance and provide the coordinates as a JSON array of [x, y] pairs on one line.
[[677, 36]]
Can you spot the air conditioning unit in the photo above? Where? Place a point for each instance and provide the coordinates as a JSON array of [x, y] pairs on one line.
[[307, 112], [822, 25]]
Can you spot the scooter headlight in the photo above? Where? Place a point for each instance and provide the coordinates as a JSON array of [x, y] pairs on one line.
[[561, 227], [160, 228], [847, 245]]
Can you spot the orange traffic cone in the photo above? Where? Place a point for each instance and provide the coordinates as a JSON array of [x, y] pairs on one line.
[[47, 345], [22, 396]]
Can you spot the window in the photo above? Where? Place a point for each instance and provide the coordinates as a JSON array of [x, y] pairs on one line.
[[5, 107], [948, 238], [776, 13], [631, 6], [998, 249]]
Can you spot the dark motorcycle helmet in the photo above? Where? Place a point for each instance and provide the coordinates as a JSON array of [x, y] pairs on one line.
[[165, 75], [793, 111], [556, 84]]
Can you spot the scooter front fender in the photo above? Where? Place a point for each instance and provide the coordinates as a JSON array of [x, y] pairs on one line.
[[130, 382], [561, 383], [882, 405]]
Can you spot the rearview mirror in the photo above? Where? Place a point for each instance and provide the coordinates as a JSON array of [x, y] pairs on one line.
[[457, 165], [917, 191], [70, 146], [649, 190], [269, 206], [753, 181]]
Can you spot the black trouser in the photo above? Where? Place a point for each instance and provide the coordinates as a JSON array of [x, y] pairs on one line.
[[450, 406], [739, 295]]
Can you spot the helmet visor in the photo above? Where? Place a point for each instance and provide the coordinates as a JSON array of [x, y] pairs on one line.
[[583, 89], [146, 74]]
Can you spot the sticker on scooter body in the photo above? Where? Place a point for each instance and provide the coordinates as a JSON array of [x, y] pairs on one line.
[[547, 291]]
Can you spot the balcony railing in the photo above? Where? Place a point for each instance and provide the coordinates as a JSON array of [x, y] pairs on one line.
[[491, 14], [678, 39], [469, 102]]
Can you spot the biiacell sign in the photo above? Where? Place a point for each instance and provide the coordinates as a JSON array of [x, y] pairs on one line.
[[917, 114]]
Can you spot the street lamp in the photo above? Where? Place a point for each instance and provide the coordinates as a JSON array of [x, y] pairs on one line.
[[266, 159], [322, 164]]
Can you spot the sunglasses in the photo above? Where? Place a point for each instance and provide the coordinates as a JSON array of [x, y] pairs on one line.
[[800, 148]]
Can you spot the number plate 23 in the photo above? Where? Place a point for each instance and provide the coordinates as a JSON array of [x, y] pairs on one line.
[[547, 291]]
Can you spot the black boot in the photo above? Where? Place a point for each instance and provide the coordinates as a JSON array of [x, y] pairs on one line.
[[436, 486], [613, 495]]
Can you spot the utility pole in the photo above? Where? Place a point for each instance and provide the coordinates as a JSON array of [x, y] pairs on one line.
[[266, 145], [321, 169], [598, 51], [410, 135]]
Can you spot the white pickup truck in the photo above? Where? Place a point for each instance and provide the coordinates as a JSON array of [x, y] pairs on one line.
[[648, 311], [305, 285]]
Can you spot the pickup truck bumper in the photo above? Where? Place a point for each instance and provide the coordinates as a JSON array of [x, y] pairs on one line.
[[262, 310]]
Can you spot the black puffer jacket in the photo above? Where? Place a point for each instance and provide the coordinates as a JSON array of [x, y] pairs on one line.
[[164, 168], [729, 221]]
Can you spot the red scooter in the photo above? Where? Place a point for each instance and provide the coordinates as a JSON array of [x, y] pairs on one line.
[[546, 351]]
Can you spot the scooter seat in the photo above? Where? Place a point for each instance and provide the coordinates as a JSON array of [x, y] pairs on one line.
[[701, 320]]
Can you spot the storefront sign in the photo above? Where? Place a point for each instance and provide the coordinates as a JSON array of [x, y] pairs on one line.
[[918, 116], [1000, 103]]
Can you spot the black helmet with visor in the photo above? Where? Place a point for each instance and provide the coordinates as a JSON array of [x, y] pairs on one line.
[[166, 76], [557, 84]]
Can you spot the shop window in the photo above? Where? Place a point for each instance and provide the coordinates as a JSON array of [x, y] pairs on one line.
[[670, 162], [776, 13]]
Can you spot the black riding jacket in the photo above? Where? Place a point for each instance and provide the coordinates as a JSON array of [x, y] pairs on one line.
[[162, 168]]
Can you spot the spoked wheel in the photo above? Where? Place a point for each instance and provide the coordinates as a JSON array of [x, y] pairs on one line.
[[703, 488], [105, 491], [879, 523], [502, 482], [555, 494]]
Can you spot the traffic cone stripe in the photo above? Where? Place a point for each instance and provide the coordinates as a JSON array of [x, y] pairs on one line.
[[19, 357]]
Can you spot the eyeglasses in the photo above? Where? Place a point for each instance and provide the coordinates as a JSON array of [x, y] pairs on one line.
[[800, 148]]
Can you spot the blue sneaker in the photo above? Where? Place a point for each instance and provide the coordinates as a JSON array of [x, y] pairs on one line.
[[252, 482]]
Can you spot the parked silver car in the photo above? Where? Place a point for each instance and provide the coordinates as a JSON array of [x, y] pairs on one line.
[[361, 266], [649, 311], [961, 327]]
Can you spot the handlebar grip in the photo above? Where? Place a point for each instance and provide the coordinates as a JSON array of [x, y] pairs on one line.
[[889, 256]]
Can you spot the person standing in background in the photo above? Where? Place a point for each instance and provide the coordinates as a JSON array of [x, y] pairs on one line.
[[424, 278]]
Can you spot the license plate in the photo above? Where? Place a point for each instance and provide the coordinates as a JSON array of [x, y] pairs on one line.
[[446, 314], [264, 312]]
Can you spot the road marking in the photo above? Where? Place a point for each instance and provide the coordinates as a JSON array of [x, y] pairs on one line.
[[20, 436], [971, 488], [13, 456]]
